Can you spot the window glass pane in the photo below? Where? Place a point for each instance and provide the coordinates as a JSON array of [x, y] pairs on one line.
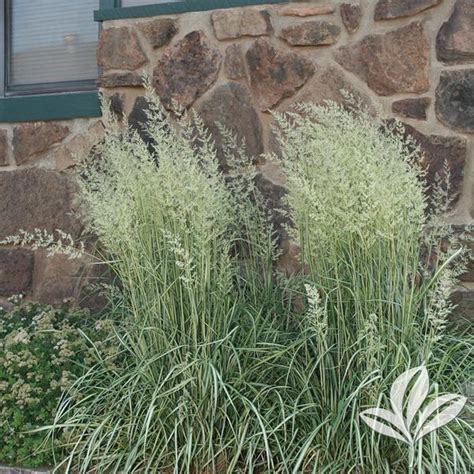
[[132, 3], [52, 41]]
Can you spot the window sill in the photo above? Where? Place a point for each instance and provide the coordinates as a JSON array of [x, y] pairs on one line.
[[67, 105], [173, 8]]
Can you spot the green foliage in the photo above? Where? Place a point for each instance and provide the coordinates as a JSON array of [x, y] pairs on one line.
[[217, 372], [193, 391], [378, 283], [42, 350]]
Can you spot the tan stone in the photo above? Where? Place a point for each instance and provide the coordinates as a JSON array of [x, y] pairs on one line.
[[306, 9], [274, 74], [79, 147], [34, 198], [274, 195], [159, 32], [4, 148], [186, 70], [120, 79], [58, 277], [230, 105], [454, 105], [34, 138], [311, 33], [329, 83], [234, 62], [389, 9], [289, 263], [235, 23], [16, 270], [455, 40], [119, 48], [351, 15], [390, 63], [414, 108], [463, 315], [438, 153]]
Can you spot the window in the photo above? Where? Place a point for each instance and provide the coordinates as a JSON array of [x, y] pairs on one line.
[[49, 45]]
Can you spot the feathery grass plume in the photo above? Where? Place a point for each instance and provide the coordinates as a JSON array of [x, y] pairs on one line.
[[202, 383], [58, 243], [356, 198]]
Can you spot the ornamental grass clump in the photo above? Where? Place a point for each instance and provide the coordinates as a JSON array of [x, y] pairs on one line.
[[378, 281], [218, 369], [193, 392]]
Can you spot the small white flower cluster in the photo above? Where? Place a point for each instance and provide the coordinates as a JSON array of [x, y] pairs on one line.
[[317, 312], [63, 243]]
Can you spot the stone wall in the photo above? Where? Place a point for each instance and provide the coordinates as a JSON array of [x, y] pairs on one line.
[[37, 189], [415, 58]]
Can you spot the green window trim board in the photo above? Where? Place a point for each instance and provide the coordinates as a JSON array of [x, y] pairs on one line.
[[67, 105]]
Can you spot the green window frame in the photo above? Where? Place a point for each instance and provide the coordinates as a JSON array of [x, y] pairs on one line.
[[58, 101], [112, 9]]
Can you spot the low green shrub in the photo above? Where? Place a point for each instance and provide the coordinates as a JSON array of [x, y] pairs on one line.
[[42, 350]]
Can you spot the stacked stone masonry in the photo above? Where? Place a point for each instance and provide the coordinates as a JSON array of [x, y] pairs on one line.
[[412, 58]]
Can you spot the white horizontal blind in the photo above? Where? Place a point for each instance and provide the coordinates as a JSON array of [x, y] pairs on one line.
[[52, 41], [132, 3]]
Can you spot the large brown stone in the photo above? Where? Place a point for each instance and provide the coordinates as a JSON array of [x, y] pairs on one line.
[[138, 121], [4, 147], [311, 33], [351, 15], [231, 106], [79, 147], [235, 23], [120, 79], [274, 192], [274, 74], [388, 9], [186, 70], [466, 238], [454, 104], [159, 32], [118, 48], [463, 314], [234, 66], [437, 153], [329, 83], [92, 295], [412, 108], [16, 270], [117, 104], [34, 198], [34, 138], [390, 63], [455, 40], [57, 277]]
